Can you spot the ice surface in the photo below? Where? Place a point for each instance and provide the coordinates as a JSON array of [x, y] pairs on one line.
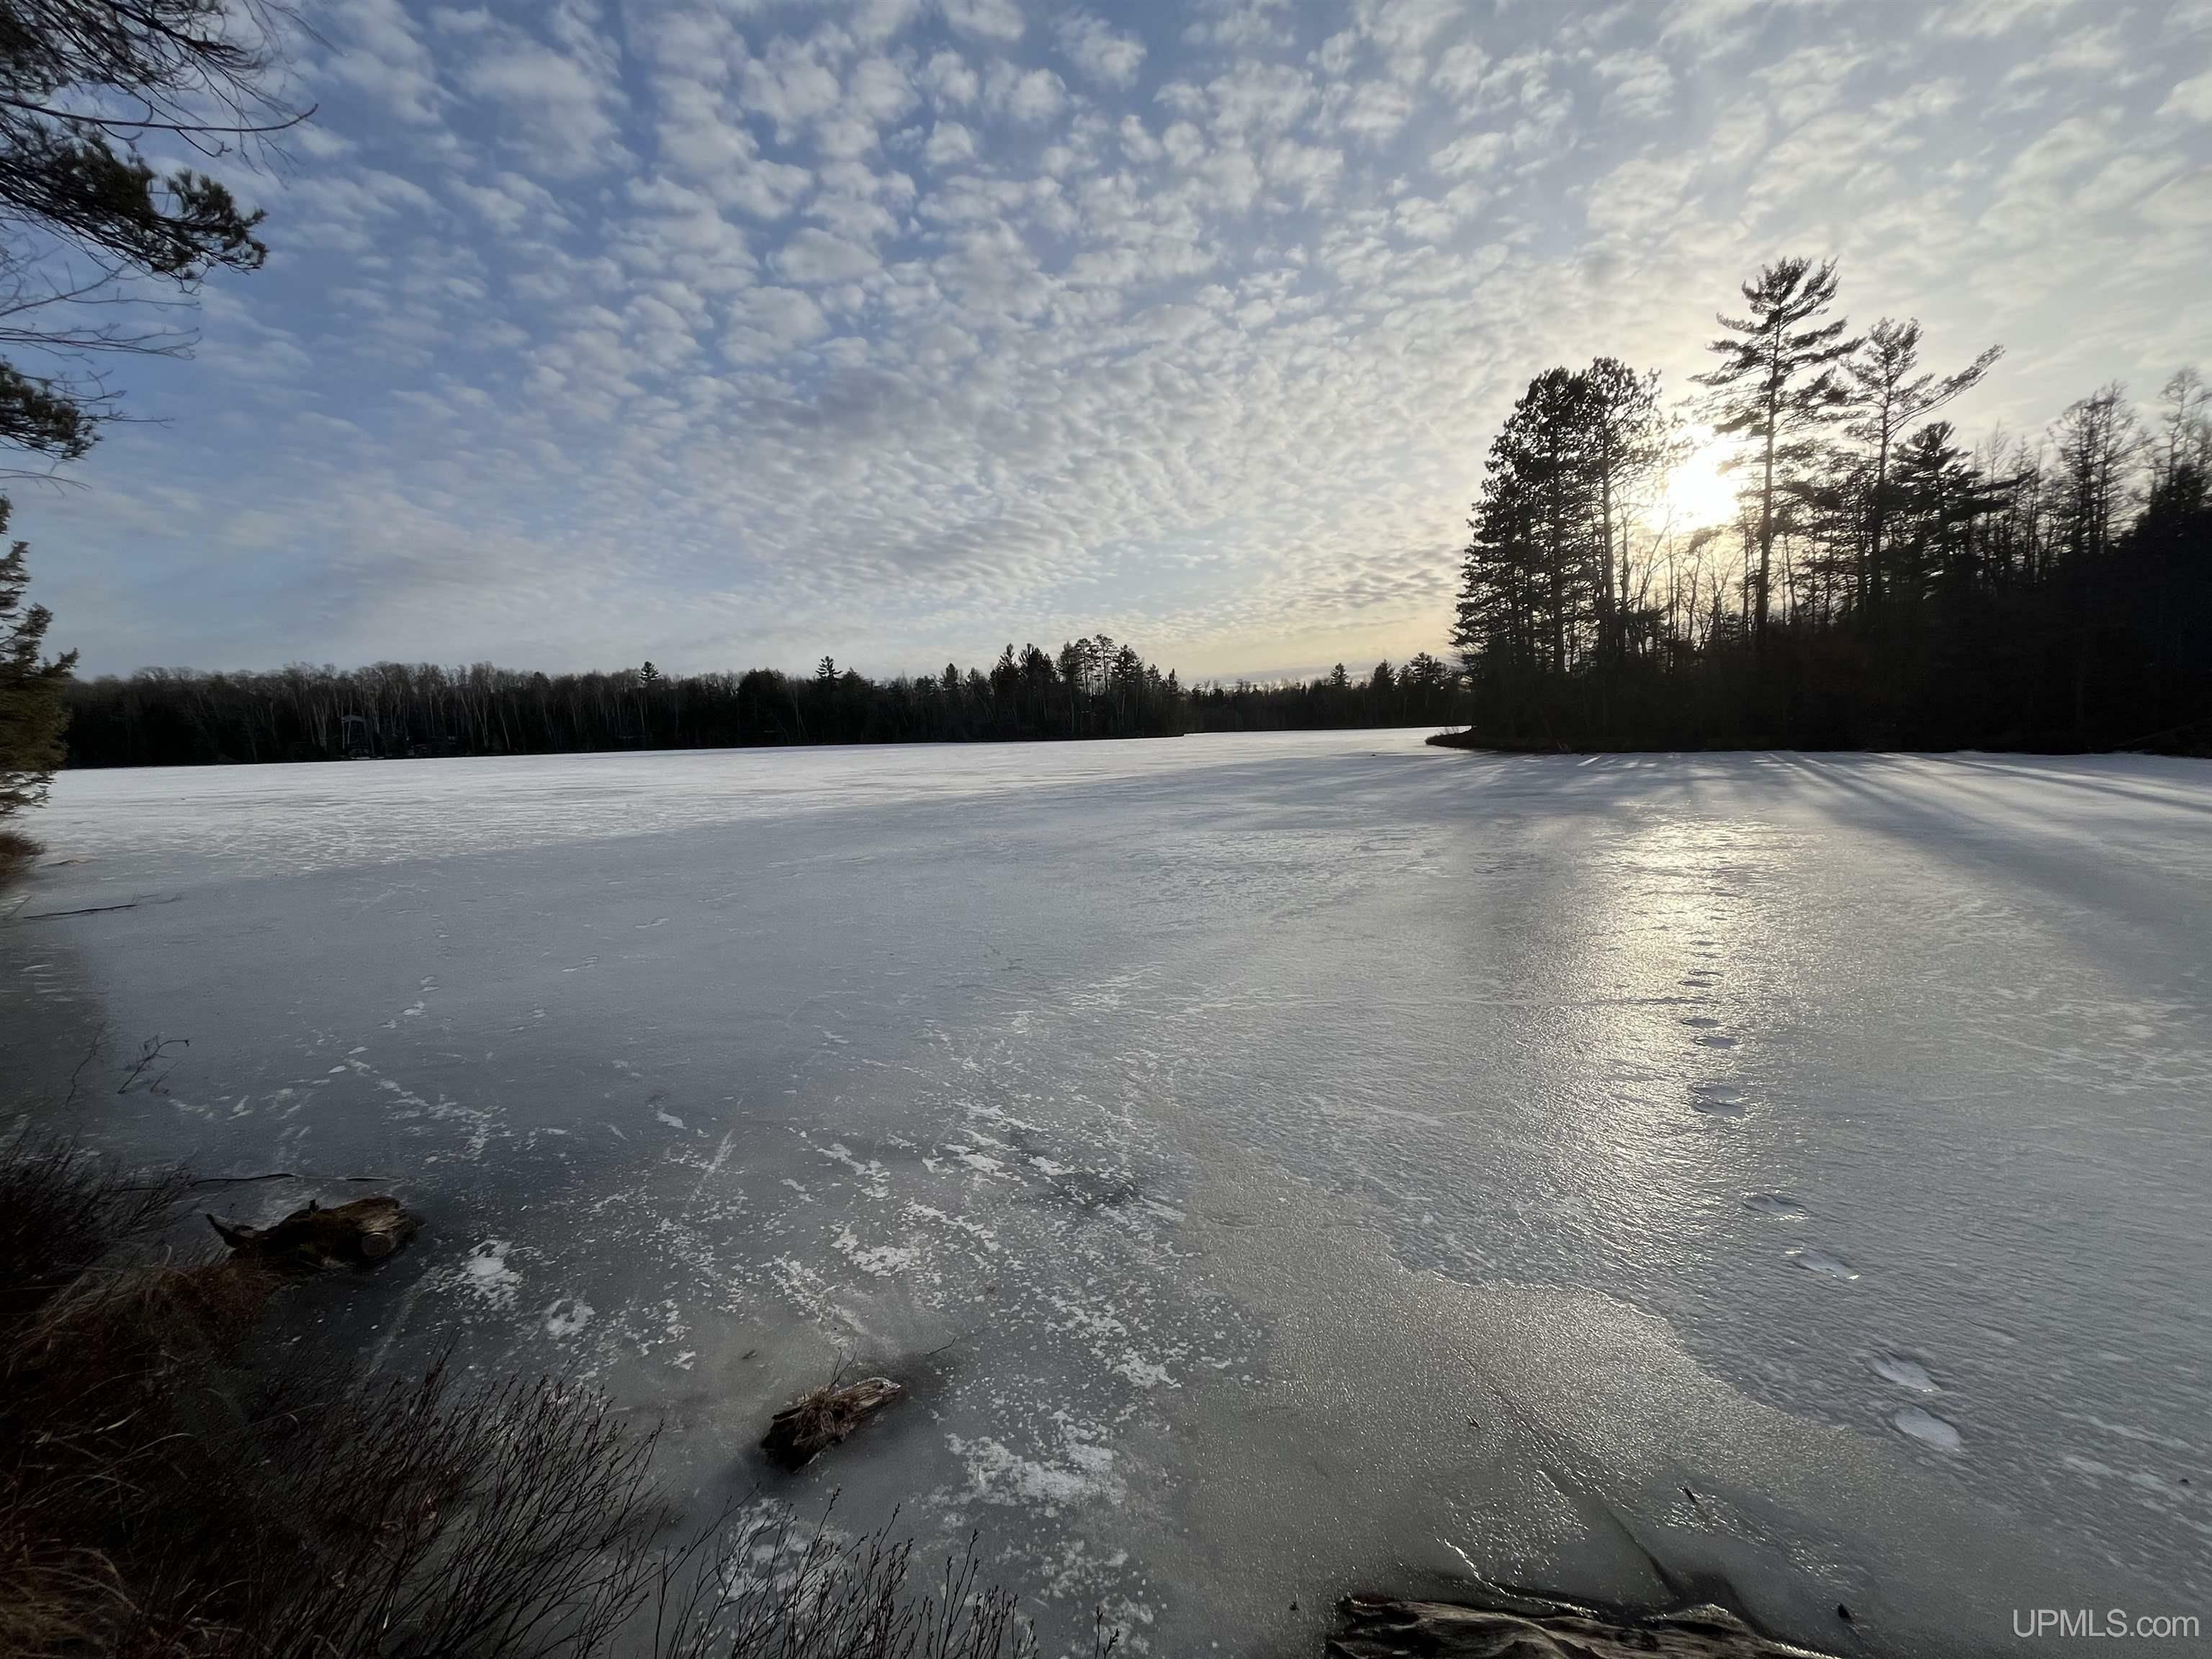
[[1925, 1425], [1820, 1262], [1906, 1373], [1279, 1165]]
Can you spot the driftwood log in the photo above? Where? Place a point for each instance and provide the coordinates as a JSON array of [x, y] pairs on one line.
[[1378, 1629], [356, 1235], [821, 1417]]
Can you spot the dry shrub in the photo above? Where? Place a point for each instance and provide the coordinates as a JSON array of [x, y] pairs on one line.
[[763, 1590], [161, 1495], [61, 1213], [17, 851]]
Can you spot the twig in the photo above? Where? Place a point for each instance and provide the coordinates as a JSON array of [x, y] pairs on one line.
[[155, 1049], [100, 909], [91, 1053], [963, 1337]]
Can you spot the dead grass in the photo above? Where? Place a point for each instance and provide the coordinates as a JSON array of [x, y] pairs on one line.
[[767, 1590], [160, 1496], [17, 853]]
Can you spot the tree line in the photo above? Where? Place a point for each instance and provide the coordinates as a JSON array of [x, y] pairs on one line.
[[1090, 688], [1882, 583], [1423, 690]]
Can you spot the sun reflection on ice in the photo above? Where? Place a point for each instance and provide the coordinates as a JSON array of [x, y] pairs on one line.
[[1663, 1026]]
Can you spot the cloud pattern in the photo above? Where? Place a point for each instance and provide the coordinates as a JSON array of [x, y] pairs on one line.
[[730, 333]]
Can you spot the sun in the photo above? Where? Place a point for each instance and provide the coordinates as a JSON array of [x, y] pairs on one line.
[[1698, 493]]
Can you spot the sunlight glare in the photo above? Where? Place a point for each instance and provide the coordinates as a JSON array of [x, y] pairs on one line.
[[1698, 493]]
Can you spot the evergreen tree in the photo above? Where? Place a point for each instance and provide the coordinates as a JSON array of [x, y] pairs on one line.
[[2098, 442], [1779, 384], [2185, 427], [1546, 580], [32, 713], [1624, 447], [1493, 623], [1892, 394], [1941, 496]]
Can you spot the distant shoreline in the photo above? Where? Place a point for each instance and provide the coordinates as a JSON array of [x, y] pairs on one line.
[[396, 711], [1474, 742]]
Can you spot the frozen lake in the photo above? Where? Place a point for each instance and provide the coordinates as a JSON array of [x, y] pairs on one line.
[[1285, 1165]]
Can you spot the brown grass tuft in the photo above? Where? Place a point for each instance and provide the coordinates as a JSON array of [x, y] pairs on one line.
[[159, 1495], [17, 853]]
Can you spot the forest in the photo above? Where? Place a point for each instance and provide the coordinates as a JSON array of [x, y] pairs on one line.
[[1091, 688], [1883, 583]]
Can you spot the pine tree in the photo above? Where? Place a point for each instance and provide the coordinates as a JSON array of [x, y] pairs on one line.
[[1940, 494], [1493, 623], [1625, 445], [1892, 396], [1547, 571], [82, 82], [32, 714], [1779, 382], [2185, 427], [2098, 442]]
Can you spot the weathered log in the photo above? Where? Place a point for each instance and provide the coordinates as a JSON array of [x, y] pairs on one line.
[[1378, 1629], [356, 1235], [821, 1417]]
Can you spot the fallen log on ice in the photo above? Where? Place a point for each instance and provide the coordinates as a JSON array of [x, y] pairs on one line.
[[821, 1417], [1378, 1629], [356, 1235]]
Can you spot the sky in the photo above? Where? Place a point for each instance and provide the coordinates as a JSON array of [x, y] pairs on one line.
[[728, 334]]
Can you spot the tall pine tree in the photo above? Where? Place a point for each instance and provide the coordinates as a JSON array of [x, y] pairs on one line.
[[1893, 394], [1779, 383]]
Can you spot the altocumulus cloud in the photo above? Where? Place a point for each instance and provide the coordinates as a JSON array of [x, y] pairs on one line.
[[729, 335]]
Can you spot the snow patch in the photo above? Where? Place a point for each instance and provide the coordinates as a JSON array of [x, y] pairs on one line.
[[884, 1261], [485, 1272], [1079, 1471], [1143, 1373]]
